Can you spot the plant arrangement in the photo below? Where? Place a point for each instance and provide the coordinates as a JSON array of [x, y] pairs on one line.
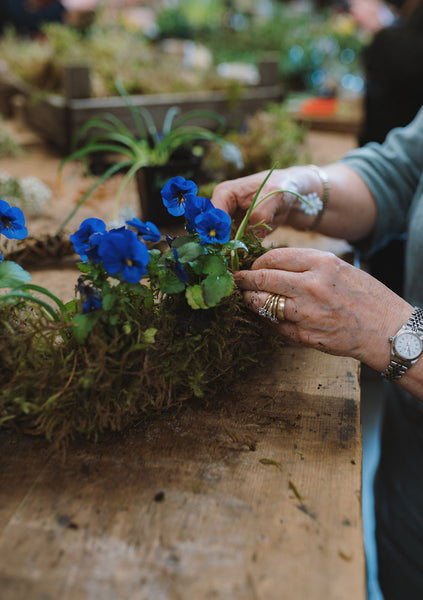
[[149, 327]]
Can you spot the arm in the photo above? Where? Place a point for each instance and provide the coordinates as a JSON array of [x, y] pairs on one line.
[[331, 305], [371, 187], [350, 214]]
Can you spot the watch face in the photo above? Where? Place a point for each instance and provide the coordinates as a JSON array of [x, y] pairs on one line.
[[408, 345]]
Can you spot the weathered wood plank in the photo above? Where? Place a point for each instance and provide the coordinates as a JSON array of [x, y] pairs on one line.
[[201, 503], [57, 118]]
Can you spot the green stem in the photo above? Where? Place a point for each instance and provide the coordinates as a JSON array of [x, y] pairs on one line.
[[113, 169], [42, 290], [241, 228], [254, 204], [47, 308]]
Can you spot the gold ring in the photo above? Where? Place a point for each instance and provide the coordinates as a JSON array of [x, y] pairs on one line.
[[280, 310], [273, 308]]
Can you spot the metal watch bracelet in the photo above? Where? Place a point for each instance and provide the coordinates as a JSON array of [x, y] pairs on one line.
[[396, 369]]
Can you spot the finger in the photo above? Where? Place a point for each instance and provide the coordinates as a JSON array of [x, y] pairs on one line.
[[297, 260], [236, 193], [268, 281], [256, 301]]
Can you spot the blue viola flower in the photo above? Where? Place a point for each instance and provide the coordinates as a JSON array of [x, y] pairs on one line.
[[195, 205], [122, 252], [12, 222], [213, 226], [84, 241], [177, 267], [148, 231], [91, 296], [92, 303], [174, 194]]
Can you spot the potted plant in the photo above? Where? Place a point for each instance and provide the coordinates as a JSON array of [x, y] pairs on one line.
[[151, 155]]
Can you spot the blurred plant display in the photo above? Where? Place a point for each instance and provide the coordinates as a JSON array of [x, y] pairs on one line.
[[269, 136], [108, 49], [9, 146], [317, 49]]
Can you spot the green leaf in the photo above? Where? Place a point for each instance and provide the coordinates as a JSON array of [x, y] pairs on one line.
[[170, 282], [213, 265], [181, 240], [108, 301], [84, 267], [236, 245], [83, 323], [12, 275], [216, 287], [189, 252], [149, 335], [194, 296]]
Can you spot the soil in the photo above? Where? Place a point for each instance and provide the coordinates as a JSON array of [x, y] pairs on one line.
[[43, 162]]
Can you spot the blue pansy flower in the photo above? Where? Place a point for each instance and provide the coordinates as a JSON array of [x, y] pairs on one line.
[[122, 252], [195, 205], [92, 298], [213, 226], [174, 194], [92, 303], [177, 267], [84, 241], [12, 222], [147, 230]]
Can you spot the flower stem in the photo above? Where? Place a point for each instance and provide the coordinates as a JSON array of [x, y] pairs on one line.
[[42, 290], [25, 296]]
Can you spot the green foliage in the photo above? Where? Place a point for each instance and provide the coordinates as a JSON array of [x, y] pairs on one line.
[[190, 18], [149, 357], [12, 275], [271, 135], [9, 146], [108, 48], [150, 145]]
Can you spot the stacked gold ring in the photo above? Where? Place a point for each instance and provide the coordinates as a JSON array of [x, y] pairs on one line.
[[274, 308]]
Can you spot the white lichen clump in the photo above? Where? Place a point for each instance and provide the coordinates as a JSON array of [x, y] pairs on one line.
[[30, 194]]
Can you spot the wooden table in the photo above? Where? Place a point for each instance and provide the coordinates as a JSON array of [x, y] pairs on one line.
[[255, 496]]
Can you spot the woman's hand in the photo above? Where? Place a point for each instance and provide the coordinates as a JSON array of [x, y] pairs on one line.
[[351, 209], [330, 305], [237, 194]]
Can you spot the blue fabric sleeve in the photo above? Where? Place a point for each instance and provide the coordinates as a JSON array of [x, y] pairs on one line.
[[393, 172]]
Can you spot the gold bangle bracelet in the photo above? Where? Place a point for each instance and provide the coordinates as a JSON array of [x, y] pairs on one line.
[[325, 199]]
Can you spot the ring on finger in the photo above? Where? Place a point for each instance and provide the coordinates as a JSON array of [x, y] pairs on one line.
[[273, 308]]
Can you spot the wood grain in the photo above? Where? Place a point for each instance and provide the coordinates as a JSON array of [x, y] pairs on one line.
[[253, 495]]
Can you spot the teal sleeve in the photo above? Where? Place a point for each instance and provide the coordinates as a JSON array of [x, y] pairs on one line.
[[393, 173]]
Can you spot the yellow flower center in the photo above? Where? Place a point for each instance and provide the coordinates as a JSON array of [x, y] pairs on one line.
[[212, 233], [129, 262]]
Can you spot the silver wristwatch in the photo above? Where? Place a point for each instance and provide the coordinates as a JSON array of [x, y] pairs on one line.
[[406, 346]]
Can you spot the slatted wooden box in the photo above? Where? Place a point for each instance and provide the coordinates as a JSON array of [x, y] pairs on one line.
[[58, 118]]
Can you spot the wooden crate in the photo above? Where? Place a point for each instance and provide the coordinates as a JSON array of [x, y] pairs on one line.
[[58, 118]]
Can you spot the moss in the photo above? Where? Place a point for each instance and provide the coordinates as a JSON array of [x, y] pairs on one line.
[[152, 358]]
